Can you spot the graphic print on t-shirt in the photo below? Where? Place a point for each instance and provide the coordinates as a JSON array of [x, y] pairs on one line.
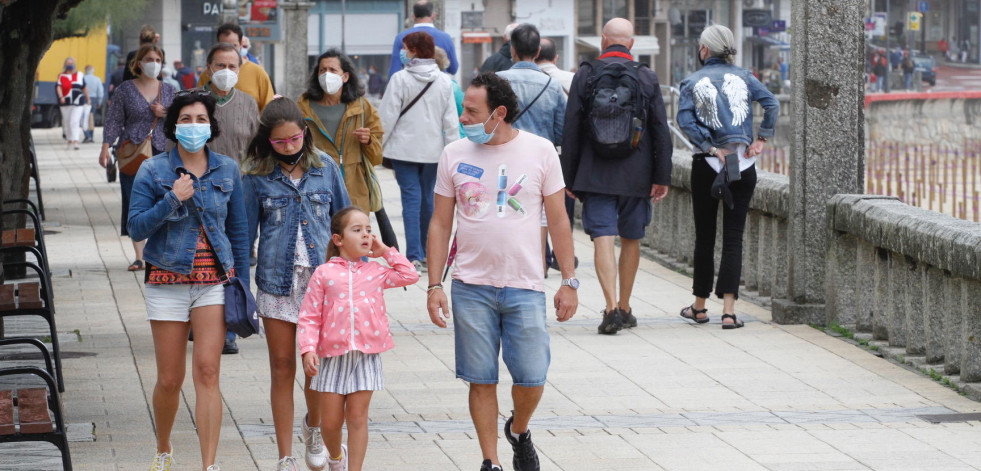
[[475, 198]]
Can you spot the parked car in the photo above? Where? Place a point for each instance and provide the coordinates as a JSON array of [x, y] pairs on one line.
[[927, 66]]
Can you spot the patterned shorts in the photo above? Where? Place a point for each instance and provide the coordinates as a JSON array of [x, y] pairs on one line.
[[285, 308], [349, 373]]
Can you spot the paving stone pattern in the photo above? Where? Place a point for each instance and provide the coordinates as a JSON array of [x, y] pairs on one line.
[[665, 395]]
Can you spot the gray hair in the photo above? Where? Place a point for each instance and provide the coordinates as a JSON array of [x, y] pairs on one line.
[[719, 41]]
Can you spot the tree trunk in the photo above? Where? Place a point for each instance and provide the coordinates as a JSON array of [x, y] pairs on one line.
[[25, 35]]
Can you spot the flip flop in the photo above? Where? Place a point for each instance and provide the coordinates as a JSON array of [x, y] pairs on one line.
[[736, 323], [135, 266], [692, 314]]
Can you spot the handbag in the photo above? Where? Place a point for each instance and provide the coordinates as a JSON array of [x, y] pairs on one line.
[[130, 156], [370, 178], [241, 316], [111, 170]]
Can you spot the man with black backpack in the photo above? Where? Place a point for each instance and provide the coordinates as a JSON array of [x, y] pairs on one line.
[[616, 158]]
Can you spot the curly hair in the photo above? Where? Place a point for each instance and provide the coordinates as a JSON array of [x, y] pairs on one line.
[[186, 98], [353, 88], [499, 93]]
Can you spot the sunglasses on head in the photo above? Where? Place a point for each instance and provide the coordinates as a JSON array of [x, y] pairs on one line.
[[193, 91]]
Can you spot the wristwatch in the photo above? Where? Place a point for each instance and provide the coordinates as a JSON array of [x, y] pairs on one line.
[[571, 282]]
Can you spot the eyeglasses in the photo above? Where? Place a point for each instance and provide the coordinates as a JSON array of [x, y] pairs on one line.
[[295, 141], [193, 91]]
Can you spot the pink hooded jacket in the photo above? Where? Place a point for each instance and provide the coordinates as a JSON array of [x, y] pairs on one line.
[[344, 308]]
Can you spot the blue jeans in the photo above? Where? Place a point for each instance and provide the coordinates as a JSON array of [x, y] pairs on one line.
[[417, 182], [488, 321]]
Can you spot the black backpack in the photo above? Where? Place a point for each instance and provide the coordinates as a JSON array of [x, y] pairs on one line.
[[615, 107]]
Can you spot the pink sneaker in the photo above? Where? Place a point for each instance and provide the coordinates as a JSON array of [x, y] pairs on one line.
[[341, 464]]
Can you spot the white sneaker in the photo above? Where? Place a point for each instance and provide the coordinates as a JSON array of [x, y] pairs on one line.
[[213, 467], [163, 462], [341, 464], [287, 464], [316, 453]]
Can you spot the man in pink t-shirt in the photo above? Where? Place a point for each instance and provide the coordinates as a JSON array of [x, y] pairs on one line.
[[497, 182]]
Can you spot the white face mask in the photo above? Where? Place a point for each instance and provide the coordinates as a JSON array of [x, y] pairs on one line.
[[224, 79], [244, 51], [331, 82], [151, 69]]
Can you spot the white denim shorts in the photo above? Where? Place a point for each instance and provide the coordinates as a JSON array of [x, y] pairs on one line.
[[174, 302]]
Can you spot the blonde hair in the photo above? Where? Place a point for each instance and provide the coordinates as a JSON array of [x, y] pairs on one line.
[[719, 41], [134, 67], [442, 60]]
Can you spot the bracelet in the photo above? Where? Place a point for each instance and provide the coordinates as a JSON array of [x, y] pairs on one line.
[[436, 286], [761, 139]]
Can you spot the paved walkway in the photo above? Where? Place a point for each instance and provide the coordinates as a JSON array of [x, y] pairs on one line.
[[664, 395]]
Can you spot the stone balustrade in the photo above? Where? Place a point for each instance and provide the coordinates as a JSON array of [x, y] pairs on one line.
[[910, 277]]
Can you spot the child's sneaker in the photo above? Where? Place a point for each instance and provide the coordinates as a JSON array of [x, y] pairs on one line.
[[315, 454], [163, 462], [287, 464], [214, 467], [341, 464]]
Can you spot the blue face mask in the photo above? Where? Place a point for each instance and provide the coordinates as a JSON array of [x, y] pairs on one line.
[[193, 136], [476, 132], [404, 58]]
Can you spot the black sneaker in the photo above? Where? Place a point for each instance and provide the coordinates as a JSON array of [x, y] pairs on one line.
[[487, 466], [525, 456], [612, 323], [230, 347], [628, 319]]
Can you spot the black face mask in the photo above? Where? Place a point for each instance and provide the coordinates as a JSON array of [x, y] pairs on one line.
[[288, 159]]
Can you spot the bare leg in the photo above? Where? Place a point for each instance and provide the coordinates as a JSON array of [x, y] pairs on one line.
[[629, 263], [138, 248], [170, 350], [208, 323], [606, 269], [728, 306], [356, 414], [331, 422], [525, 402], [483, 412], [313, 403], [281, 341]]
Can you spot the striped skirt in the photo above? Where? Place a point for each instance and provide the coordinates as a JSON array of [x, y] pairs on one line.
[[351, 372]]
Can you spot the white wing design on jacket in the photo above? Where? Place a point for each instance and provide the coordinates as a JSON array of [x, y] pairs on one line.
[[737, 93], [705, 107]]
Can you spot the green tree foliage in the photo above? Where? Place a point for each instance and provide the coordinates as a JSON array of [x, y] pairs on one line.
[[95, 13]]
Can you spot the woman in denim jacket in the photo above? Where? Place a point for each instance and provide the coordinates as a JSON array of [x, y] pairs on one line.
[[291, 192], [187, 204], [716, 113]]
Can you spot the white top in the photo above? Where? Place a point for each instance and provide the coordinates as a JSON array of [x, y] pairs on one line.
[[738, 148], [419, 135]]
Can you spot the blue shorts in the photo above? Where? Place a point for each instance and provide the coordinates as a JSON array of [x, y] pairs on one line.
[[612, 215], [485, 319]]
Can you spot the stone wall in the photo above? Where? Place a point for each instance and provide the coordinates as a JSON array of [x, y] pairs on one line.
[[908, 276], [941, 121]]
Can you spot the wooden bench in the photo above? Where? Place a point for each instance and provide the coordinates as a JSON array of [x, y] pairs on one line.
[[26, 417], [20, 296], [19, 238]]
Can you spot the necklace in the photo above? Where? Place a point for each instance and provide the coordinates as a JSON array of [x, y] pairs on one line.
[[290, 171]]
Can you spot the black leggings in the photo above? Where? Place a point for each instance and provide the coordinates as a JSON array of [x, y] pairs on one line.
[[705, 209]]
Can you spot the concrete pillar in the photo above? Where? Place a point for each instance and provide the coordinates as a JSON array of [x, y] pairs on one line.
[[294, 24], [827, 155]]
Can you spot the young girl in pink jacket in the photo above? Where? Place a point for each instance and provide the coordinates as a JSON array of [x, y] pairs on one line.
[[343, 327]]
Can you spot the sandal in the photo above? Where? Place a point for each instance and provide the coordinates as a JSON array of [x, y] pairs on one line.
[[692, 314], [135, 266], [736, 323]]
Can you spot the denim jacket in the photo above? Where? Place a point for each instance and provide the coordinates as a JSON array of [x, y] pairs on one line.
[[716, 106], [272, 202], [170, 226], [546, 117]]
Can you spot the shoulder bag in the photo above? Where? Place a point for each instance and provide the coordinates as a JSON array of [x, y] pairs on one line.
[[130, 156], [240, 308], [522, 112], [370, 178]]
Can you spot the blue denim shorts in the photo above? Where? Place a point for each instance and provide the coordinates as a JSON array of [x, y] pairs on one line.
[[611, 215], [485, 319]]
